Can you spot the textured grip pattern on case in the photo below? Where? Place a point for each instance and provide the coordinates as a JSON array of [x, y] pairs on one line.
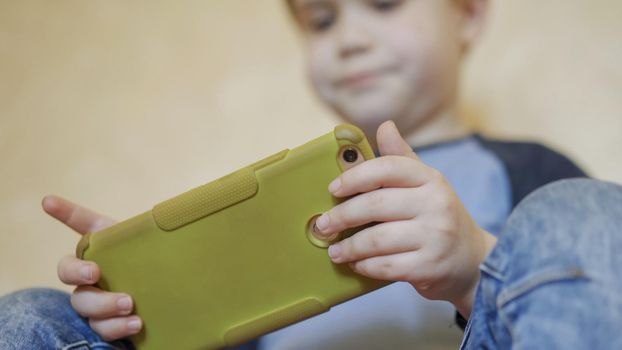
[[273, 320], [205, 200], [212, 197]]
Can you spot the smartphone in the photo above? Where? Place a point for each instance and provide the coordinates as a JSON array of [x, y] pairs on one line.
[[235, 258]]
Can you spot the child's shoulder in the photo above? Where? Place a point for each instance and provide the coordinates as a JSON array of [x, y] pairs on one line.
[[530, 164]]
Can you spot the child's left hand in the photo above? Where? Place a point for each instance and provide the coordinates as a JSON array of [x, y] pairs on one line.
[[424, 234]]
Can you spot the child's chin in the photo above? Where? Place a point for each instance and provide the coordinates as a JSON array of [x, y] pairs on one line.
[[367, 118], [369, 123]]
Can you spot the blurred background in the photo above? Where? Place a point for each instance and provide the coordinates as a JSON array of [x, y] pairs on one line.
[[121, 104]]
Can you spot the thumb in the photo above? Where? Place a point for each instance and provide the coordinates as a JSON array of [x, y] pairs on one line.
[[391, 143]]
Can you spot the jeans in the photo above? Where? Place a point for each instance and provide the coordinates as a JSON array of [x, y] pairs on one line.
[[44, 319], [554, 278], [553, 281]]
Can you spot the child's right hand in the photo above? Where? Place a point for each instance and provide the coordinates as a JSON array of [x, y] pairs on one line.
[[423, 234], [109, 313]]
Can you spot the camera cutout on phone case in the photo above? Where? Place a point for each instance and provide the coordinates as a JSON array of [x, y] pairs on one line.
[[350, 156]]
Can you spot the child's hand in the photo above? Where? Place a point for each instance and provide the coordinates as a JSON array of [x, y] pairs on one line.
[[109, 314], [424, 234]]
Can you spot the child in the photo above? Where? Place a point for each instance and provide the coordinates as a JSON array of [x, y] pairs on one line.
[[373, 61]]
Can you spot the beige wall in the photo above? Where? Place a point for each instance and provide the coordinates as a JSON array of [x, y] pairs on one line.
[[119, 105]]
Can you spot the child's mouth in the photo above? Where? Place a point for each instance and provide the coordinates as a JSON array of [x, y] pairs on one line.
[[362, 79]]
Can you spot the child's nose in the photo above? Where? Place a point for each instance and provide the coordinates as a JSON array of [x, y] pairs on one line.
[[353, 36]]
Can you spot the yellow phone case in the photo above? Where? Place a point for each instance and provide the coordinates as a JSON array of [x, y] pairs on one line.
[[235, 258]]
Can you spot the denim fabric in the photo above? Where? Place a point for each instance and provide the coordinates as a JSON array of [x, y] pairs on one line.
[[44, 319], [40, 318], [554, 279]]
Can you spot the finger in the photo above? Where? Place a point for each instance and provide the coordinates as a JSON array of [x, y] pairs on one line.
[[387, 171], [95, 303], [74, 271], [78, 218], [396, 267], [379, 240], [390, 142], [385, 204], [116, 328]]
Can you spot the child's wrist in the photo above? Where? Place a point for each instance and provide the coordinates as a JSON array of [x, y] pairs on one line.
[[464, 304]]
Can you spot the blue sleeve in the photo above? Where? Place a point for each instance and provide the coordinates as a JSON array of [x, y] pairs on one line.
[[531, 165]]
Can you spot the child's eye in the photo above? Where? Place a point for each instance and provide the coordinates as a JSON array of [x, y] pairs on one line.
[[385, 5], [318, 16], [321, 21]]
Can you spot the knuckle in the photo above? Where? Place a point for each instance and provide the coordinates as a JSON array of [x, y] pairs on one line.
[[363, 246], [441, 201], [435, 260], [376, 239], [104, 303], [350, 247], [336, 216], [78, 303], [446, 203], [61, 270], [100, 329], [447, 218], [386, 269], [376, 201], [449, 227], [360, 267], [340, 217], [392, 271], [390, 164], [108, 329], [345, 179]]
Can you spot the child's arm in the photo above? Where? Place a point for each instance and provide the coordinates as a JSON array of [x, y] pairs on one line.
[[109, 313], [425, 236]]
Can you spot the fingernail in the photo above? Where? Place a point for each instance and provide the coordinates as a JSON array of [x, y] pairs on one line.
[[334, 186], [86, 272], [334, 251], [322, 222], [124, 304], [134, 324]]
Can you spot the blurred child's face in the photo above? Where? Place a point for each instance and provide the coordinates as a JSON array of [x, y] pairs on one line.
[[374, 60]]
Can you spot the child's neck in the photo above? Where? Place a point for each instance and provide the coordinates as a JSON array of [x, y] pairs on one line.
[[445, 126]]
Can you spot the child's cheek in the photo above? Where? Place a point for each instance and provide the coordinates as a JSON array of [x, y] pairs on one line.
[[321, 69], [427, 64]]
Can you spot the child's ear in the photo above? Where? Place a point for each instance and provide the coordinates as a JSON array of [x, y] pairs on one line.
[[473, 13]]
